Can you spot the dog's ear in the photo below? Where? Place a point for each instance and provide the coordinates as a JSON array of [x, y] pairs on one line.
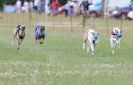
[[23, 27], [18, 26], [43, 28]]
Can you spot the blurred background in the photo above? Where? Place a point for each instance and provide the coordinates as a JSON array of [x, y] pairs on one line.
[[54, 13], [111, 8]]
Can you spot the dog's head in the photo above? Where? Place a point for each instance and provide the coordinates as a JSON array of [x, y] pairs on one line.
[[119, 32], [22, 27], [42, 28], [21, 31], [95, 37]]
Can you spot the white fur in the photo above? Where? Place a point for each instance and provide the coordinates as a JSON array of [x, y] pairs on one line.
[[113, 41], [88, 41]]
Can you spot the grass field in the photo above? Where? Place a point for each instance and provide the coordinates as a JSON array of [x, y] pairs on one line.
[[61, 60]]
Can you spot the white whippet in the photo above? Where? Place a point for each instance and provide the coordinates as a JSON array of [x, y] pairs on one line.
[[115, 38], [90, 41]]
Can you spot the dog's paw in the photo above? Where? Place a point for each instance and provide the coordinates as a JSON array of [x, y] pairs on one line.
[[88, 50], [113, 52], [12, 43], [18, 48], [119, 46], [83, 46], [93, 53]]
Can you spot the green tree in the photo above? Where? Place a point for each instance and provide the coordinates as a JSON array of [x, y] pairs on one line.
[[1, 5], [12, 2], [63, 2]]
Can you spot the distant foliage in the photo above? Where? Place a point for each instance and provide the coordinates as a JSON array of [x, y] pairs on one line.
[[12, 2], [63, 2], [1, 6], [7, 2]]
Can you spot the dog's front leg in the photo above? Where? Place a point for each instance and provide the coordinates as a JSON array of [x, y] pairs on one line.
[[36, 42], [92, 48], [119, 44], [88, 47], [19, 43]]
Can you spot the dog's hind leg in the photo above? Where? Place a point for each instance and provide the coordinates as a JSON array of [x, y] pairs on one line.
[[113, 48], [112, 44], [92, 48], [113, 52], [18, 45], [84, 45], [35, 41], [13, 40], [93, 52], [14, 36], [88, 47], [119, 46]]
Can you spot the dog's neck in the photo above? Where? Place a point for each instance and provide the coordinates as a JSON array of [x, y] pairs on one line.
[[21, 33]]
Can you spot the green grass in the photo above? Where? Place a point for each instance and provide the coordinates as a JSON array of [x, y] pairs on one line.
[[61, 60]]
